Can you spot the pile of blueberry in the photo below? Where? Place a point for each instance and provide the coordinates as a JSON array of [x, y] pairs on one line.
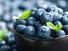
[[8, 42], [34, 26], [8, 9], [44, 23]]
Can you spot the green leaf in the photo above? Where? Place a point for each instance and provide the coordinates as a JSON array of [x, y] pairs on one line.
[[50, 25], [58, 27], [25, 14], [2, 34], [54, 27]]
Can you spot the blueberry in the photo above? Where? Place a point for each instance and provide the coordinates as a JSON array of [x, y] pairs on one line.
[[43, 32], [48, 9], [34, 9], [46, 17], [3, 25], [11, 41], [65, 28], [30, 21], [53, 8], [64, 20], [39, 13], [22, 7], [9, 34], [57, 16], [5, 48], [20, 28], [66, 13], [22, 22], [60, 33], [29, 31], [37, 25], [53, 34], [10, 26], [14, 48], [7, 18], [62, 4], [2, 43], [32, 14], [58, 23], [60, 11], [19, 22]]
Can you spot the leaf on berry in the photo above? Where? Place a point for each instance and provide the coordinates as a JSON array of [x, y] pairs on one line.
[[25, 14], [50, 25], [54, 27]]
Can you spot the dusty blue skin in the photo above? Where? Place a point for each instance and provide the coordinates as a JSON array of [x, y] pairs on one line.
[[5, 48], [60, 11], [65, 28], [30, 21], [20, 28], [48, 9], [58, 23], [43, 32], [37, 25], [19, 22], [39, 13], [60, 33], [57, 16], [11, 41], [46, 17], [29, 31], [64, 20], [2, 43]]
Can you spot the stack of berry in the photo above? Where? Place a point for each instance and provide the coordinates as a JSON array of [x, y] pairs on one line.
[[43, 23]]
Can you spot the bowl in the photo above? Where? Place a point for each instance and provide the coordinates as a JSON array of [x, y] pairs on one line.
[[36, 44]]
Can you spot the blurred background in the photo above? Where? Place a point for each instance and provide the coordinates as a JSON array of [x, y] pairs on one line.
[[10, 8]]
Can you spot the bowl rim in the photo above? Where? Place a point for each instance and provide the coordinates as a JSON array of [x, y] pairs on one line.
[[38, 39]]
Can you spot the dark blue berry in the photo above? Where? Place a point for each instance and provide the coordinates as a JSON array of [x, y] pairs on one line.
[[60, 33], [43, 32], [20, 28], [65, 28], [29, 31]]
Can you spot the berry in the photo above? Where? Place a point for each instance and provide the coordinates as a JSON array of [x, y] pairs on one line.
[[60, 11], [3, 25], [29, 31], [46, 17], [57, 16], [31, 21], [66, 13], [9, 34], [39, 13], [48, 9], [7, 18], [37, 25], [53, 34], [2, 43], [11, 41], [60, 33], [10, 26], [5, 48], [58, 23], [19, 22], [64, 20], [43, 32], [65, 28], [20, 28]]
